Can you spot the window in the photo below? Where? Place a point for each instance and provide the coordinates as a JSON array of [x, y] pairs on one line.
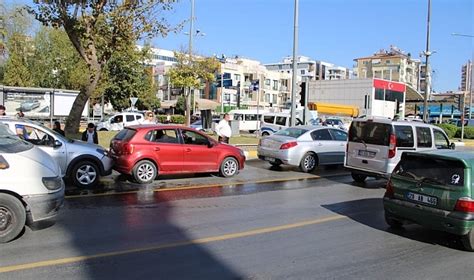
[[423, 137], [138, 117], [441, 141], [387, 61], [238, 117], [34, 135], [10, 143], [193, 138], [303, 72], [125, 134], [275, 85], [269, 119], [267, 82], [339, 135], [130, 118], [404, 134], [251, 117], [370, 133], [162, 136], [291, 132], [280, 120], [321, 134], [237, 77]]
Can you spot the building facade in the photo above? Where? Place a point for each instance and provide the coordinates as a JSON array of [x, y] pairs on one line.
[[466, 76], [393, 65]]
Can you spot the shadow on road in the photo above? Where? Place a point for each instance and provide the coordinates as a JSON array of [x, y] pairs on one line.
[[370, 212]]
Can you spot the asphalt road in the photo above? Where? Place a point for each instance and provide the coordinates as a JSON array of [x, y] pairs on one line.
[[326, 228]]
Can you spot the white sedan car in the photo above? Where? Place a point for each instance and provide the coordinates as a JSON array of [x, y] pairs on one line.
[[304, 146]]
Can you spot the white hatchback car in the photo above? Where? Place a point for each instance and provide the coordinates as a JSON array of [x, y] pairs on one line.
[[118, 121], [31, 187]]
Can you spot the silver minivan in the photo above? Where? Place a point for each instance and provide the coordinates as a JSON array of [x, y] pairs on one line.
[[82, 163], [375, 145]]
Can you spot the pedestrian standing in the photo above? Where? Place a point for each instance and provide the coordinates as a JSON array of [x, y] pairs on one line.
[[2, 110], [90, 134], [20, 114], [57, 128], [149, 118], [168, 118], [223, 130]]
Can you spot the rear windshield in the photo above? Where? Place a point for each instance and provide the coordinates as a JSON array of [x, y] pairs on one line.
[[370, 133], [292, 132], [431, 170], [125, 134]]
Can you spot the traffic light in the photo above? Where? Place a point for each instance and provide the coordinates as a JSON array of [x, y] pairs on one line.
[[302, 93]]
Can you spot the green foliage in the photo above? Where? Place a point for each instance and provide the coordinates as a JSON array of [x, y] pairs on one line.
[[192, 73], [177, 119], [468, 132], [449, 129], [126, 76]]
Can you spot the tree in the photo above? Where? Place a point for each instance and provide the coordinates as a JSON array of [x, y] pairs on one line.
[[190, 73], [97, 29], [127, 76]]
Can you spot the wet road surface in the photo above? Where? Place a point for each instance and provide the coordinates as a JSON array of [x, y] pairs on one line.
[[327, 228]]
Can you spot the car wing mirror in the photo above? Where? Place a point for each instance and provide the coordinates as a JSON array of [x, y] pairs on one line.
[[210, 144], [57, 144]]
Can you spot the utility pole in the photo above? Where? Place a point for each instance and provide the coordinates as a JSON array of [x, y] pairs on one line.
[[295, 63], [188, 94], [427, 54]]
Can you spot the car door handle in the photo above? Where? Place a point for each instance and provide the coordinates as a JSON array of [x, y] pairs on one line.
[[157, 148], [187, 150]]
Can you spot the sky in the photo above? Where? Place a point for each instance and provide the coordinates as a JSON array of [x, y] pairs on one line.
[[335, 31]]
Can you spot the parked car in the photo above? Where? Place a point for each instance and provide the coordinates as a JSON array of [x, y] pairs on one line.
[[334, 122], [80, 162], [146, 151], [29, 105], [198, 124], [304, 146], [433, 189], [31, 188], [375, 145], [118, 121]]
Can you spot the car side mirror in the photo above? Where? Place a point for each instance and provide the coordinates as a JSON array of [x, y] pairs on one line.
[[57, 144], [210, 144]]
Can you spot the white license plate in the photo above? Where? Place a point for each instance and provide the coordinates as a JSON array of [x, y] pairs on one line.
[[422, 198], [367, 154], [270, 159]]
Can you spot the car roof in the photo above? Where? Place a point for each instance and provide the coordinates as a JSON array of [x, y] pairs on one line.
[[391, 121], [465, 156], [157, 126]]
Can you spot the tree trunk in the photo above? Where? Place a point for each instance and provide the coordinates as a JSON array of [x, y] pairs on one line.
[[74, 119], [188, 107]]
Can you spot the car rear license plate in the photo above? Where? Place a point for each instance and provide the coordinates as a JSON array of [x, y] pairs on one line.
[[270, 159], [431, 200], [367, 154]]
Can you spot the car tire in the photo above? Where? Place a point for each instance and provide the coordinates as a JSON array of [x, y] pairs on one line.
[[359, 178], [144, 172], [229, 167], [392, 222], [308, 162], [12, 217], [265, 134], [103, 129], [468, 241], [85, 174]]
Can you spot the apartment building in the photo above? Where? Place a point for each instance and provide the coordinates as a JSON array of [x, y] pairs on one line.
[[391, 65], [309, 69], [466, 76]]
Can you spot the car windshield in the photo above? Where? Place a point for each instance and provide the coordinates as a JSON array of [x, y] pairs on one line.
[[10, 143], [431, 170], [293, 132], [370, 133], [56, 134]]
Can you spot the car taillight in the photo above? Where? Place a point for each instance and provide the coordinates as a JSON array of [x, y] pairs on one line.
[[389, 190], [392, 146], [288, 145], [464, 204], [127, 149]]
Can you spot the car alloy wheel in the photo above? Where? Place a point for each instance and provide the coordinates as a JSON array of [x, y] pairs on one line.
[[229, 167], [144, 172], [308, 163], [86, 174]]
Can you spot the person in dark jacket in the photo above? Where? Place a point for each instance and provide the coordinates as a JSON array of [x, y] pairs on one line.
[[57, 128], [90, 135]]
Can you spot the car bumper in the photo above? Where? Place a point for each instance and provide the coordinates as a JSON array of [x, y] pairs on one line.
[[44, 207], [107, 164], [453, 222], [280, 156], [122, 165]]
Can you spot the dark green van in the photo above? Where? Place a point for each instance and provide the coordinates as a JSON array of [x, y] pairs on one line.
[[433, 189]]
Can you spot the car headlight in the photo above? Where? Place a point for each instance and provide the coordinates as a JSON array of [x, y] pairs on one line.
[[242, 153], [103, 152], [52, 183]]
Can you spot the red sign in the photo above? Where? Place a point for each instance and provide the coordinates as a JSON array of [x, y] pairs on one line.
[[389, 85]]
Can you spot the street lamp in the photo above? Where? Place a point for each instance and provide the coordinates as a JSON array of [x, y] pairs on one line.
[[427, 54]]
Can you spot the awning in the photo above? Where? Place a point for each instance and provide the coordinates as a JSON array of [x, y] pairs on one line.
[[334, 109], [166, 104], [412, 94]]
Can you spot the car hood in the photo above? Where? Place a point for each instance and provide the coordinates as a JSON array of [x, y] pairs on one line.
[[81, 145], [42, 158]]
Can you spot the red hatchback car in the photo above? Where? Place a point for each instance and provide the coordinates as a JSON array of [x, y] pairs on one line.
[[144, 151]]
